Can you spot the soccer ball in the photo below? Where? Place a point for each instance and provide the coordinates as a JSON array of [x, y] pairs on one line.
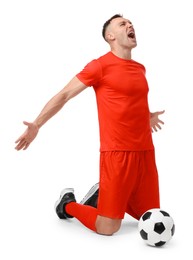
[[156, 227]]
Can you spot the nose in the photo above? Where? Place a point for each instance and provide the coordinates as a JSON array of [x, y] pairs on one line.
[[129, 24]]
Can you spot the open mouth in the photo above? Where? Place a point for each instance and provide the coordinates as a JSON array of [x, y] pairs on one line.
[[131, 35]]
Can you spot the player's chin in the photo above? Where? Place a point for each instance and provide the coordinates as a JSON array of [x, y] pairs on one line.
[[133, 44]]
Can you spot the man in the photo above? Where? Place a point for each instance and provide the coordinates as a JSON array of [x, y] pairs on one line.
[[128, 174]]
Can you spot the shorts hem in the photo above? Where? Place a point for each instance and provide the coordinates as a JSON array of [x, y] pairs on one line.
[[121, 216]]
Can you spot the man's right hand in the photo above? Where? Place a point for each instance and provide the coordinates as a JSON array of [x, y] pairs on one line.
[[27, 137]]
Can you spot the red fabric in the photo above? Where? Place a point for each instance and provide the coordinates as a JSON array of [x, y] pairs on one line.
[[121, 91], [128, 183], [85, 214]]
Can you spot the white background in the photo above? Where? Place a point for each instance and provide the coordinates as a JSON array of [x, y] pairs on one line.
[[43, 44]]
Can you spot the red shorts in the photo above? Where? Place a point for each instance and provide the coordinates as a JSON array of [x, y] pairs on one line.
[[128, 183]]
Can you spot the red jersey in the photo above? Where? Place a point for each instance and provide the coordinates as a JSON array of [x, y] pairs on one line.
[[122, 100]]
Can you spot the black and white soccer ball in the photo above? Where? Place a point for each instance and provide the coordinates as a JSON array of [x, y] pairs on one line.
[[156, 227]]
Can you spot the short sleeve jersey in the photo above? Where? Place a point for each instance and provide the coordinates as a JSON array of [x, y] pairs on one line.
[[121, 92]]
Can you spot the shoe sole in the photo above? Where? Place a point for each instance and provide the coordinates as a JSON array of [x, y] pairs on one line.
[[90, 193], [63, 192]]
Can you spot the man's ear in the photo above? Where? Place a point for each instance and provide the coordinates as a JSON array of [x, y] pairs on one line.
[[110, 37]]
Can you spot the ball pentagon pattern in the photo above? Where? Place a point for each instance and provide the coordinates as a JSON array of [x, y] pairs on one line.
[[156, 227]]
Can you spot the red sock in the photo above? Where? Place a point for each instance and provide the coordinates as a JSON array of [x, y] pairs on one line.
[[85, 214]]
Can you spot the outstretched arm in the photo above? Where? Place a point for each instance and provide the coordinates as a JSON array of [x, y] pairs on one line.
[[155, 122], [54, 105]]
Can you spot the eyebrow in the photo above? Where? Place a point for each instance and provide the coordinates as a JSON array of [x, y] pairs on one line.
[[125, 21]]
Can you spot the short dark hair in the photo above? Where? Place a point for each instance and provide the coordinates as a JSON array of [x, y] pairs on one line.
[[108, 22]]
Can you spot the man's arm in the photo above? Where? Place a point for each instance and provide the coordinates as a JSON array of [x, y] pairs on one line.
[[53, 106]]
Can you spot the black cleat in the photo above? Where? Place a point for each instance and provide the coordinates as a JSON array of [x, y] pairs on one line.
[[91, 198], [66, 196]]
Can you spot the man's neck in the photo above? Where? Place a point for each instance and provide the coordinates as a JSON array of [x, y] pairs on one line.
[[122, 53]]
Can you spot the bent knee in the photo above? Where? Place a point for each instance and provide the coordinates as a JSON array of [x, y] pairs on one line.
[[107, 226]]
